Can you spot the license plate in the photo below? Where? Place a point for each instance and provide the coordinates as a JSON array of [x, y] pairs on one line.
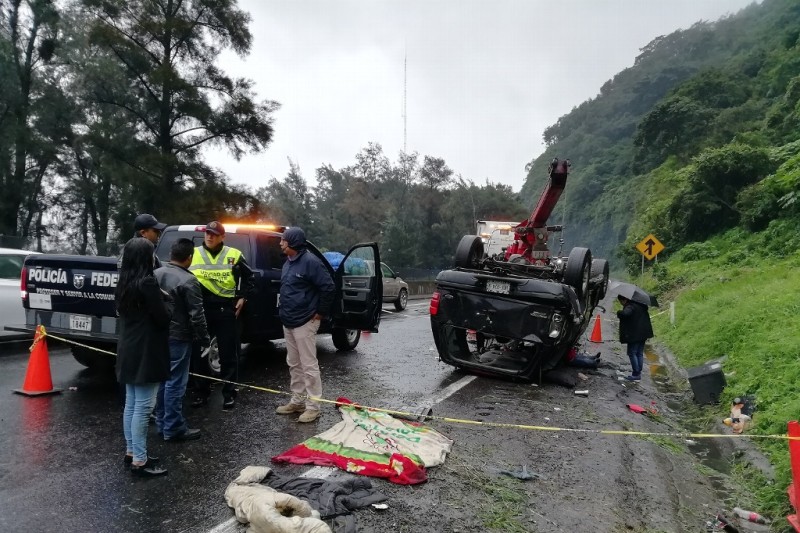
[[500, 287], [80, 323]]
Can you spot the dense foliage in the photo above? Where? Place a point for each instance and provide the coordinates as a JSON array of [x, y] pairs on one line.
[[685, 143]]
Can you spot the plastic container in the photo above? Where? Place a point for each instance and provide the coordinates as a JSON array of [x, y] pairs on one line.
[[707, 382]]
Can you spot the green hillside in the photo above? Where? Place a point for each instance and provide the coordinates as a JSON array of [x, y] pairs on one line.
[[636, 146], [698, 143]]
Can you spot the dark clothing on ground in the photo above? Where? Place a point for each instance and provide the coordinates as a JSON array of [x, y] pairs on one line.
[[188, 319], [306, 289], [634, 323], [330, 498], [143, 347]]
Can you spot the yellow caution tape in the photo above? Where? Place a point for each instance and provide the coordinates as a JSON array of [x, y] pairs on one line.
[[465, 421]]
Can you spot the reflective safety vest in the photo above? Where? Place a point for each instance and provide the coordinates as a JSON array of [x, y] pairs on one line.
[[215, 273]]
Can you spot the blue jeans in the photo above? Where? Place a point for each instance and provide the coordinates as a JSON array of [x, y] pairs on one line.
[[169, 408], [636, 355], [139, 402]]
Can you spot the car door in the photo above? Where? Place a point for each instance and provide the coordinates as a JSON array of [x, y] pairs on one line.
[[391, 288], [359, 289]]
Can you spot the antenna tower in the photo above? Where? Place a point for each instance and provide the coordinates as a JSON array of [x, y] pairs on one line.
[[405, 101]]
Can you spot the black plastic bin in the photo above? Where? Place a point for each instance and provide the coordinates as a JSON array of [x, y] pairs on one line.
[[707, 382]]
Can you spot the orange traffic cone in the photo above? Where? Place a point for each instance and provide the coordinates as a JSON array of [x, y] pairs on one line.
[[37, 377], [597, 335]]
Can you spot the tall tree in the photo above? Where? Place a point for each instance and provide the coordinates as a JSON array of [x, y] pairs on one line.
[[176, 96], [27, 42]]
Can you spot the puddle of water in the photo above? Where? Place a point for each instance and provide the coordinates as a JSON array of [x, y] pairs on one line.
[[706, 450]]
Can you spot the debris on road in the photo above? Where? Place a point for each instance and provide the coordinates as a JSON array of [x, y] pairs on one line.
[[521, 474]]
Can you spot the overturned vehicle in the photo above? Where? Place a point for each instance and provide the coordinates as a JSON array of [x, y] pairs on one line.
[[517, 313]]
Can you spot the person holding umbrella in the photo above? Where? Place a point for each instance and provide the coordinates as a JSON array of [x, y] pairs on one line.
[[634, 325]]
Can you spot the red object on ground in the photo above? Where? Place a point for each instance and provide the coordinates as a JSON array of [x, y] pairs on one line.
[[794, 458], [597, 335], [37, 377], [636, 408]]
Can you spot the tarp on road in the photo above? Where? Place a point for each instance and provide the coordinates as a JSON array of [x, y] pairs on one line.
[[373, 443]]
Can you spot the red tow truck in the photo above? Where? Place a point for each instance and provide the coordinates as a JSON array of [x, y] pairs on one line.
[[518, 312]]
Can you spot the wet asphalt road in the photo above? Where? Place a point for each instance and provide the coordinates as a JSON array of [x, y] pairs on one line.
[[61, 467]]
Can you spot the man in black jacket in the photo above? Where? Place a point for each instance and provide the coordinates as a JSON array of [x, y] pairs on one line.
[[634, 329], [188, 324]]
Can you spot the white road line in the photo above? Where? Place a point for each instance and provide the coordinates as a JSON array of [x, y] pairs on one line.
[[319, 472], [229, 525], [452, 389]]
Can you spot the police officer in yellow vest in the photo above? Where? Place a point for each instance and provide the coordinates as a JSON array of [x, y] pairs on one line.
[[226, 280]]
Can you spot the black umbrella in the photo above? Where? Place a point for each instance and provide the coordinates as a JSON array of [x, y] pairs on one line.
[[633, 293]]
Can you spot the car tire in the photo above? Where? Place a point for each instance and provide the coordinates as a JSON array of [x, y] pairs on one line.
[[345, 339], [576, 275], [93, 359], [211, 363], [469, 252], [402, 300]]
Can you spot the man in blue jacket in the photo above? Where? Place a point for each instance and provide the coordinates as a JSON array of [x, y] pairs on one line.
[[306, 297]]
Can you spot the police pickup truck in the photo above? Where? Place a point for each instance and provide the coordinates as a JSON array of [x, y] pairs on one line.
[[73, 296]]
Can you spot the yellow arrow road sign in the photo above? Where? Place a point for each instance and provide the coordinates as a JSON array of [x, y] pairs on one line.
[[650, 247]]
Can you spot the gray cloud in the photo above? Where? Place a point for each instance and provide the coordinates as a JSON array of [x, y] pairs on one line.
[[485, 78]]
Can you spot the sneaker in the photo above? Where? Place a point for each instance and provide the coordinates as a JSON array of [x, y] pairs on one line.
[[150, 460], [148, 469], [229, 403], [187, 434], [290, 408], [633, 378], [309, 415]]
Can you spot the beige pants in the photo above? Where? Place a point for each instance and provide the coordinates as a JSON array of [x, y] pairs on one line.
[[301, 355]]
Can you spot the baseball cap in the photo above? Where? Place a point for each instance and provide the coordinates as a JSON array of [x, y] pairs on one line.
[[215, 227], [145, 221]]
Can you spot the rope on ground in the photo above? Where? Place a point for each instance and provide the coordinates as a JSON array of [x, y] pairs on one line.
[[464, 421]]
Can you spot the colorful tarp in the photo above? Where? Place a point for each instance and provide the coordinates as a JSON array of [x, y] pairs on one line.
[[373, 443]]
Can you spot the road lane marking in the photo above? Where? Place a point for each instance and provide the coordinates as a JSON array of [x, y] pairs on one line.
[[452, 389], [228, 526]]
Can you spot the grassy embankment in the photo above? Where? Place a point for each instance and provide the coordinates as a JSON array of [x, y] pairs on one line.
[[739, 295]]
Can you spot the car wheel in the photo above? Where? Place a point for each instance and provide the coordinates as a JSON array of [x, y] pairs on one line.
[[211, 358], [345, 339], [402, 300], [469, 252], [579, 265], [94, 359]]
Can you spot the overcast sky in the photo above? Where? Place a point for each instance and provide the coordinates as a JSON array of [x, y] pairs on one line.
[[484, 78]]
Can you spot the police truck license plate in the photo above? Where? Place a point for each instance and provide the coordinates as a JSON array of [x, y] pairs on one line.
[[501, 287], [80, 322]]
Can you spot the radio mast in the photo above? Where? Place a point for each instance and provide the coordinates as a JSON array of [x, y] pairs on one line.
[[405, 101]]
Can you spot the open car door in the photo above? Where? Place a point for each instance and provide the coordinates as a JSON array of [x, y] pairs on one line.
[[359, 289]]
